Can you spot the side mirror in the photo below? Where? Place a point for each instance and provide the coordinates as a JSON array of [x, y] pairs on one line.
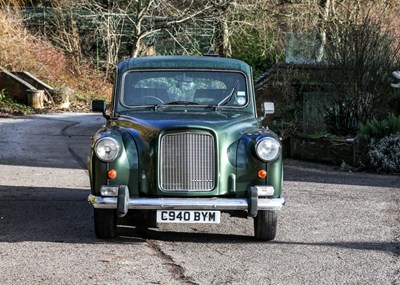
[[268, 108], [99, 106]]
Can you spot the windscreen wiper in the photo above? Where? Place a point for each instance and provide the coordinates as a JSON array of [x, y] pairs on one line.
[[180, 103], [228, 98]]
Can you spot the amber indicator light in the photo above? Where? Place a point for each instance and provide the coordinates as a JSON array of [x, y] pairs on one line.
[[262, 173], [112, 174]]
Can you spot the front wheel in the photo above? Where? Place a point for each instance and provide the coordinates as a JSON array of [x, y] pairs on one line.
[[105, 223], [265, 224]]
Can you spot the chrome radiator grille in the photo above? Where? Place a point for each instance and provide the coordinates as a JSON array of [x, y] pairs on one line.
[[187, 162]]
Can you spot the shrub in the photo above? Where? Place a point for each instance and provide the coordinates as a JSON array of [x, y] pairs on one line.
[[360, 57], [10, 106], [260, 51], [379, 129], [384, 153]]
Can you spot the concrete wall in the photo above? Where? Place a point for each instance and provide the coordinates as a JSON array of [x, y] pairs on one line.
[[32, 80], [15, 86]]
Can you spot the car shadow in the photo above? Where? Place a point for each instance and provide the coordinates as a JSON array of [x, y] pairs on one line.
[[62, 215], [193, 237], [215, 238], [45, 215]]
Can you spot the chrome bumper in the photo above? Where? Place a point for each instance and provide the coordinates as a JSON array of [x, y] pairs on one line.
[[187, 203]]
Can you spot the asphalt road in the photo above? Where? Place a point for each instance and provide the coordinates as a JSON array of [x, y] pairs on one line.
[[337, 228]]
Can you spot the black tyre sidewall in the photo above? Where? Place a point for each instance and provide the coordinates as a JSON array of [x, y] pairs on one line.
[[105, 223], [265, 224]]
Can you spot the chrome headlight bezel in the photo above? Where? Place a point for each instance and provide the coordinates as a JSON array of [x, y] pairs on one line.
[[111, 153], [268, 149]]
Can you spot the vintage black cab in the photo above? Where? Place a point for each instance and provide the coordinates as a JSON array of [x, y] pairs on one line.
[[183, 143]]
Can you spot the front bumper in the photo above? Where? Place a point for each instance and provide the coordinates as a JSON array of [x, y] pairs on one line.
[[251, 204], [187, 203]]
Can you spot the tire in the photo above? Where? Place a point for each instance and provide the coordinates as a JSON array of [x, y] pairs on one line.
[[105, 223], [265, 224]]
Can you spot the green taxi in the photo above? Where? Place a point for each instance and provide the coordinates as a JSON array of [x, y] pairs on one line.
[[182, 143]]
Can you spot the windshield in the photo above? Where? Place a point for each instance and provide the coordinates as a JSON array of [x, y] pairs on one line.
[[184, 87]]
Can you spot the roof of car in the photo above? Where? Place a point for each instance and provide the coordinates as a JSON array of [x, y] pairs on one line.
[[178, 61]]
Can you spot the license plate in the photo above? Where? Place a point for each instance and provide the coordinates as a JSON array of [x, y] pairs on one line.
[[184, 216]]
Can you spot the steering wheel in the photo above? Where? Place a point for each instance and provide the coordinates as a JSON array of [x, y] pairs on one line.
[[153, 97]]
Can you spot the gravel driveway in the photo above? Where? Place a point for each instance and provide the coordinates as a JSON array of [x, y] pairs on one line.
[[337, 227]]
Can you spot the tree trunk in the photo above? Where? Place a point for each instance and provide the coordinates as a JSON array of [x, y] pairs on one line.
[[222, 42], [321, 34], [136, 47]]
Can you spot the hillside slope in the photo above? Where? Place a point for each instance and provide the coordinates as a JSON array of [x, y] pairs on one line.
[[22, 51]]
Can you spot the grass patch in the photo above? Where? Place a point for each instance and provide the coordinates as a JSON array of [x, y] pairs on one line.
[[9, 106]]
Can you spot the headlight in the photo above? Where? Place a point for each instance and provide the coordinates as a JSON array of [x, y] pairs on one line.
[[268, 149], [107, 149]]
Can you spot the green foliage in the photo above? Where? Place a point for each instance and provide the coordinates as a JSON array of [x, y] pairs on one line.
[[3, 94], [289, 123], [380, 129], [278, 87], [10, 106], [259, 51]]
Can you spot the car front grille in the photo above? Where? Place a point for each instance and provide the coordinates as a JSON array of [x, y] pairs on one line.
[[187, 162]]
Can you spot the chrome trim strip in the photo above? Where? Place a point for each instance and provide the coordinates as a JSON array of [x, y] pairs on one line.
[[187, 203]]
